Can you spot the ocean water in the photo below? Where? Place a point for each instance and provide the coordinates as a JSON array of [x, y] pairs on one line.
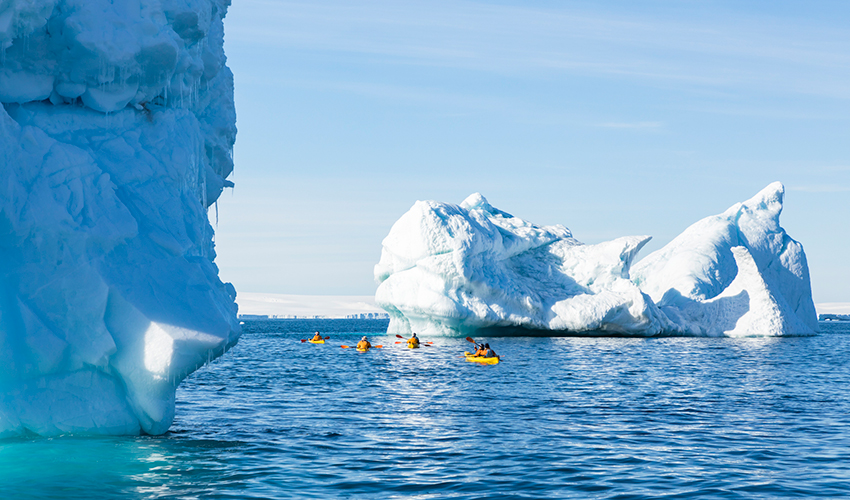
[[603, 418]]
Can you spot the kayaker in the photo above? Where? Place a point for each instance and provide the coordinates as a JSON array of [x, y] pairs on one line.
[[489, 353], [413, 341], [363, 344], [480, 350], [316, 337]]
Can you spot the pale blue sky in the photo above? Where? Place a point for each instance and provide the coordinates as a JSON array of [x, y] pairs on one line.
[[611, 118]]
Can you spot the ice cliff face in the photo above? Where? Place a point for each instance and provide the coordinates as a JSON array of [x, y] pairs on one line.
[[453, 270], [737, 273], [115, 136]]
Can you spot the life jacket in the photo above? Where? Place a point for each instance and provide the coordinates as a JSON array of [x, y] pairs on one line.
[[481, 352], [490, 353], [413, 341], [364, 344], [317, 337]]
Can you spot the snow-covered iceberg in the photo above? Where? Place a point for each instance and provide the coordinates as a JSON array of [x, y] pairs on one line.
[[460, 269], [116, 134]]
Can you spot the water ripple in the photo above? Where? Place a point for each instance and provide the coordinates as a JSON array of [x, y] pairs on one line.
[[559, 418]]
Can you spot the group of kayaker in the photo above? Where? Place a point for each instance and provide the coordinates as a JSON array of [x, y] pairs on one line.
[[481, 350]]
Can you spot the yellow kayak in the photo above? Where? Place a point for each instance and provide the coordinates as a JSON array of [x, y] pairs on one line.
[[412, 346], [322, 341], [481, 359], [362, 350]]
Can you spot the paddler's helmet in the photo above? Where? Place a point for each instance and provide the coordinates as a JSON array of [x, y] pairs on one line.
[[364, 338], [414, 334]]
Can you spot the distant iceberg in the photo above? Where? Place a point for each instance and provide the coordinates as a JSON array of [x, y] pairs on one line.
[[470, 268], [116, 133]]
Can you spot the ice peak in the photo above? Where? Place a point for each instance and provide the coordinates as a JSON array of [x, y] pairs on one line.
[[767, 202], [477, 201], [768, 199]]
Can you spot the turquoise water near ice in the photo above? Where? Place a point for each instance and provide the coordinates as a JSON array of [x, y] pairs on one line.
[[606, 418]]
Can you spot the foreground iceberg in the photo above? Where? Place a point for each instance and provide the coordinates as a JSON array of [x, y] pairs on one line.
[[115, 137], [456, 270]]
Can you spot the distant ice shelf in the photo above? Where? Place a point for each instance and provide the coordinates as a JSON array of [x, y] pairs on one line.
[[470, 268], [834, 317]]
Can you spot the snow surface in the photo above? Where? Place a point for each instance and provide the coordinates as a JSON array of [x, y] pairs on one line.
[[306, 306], [115, 137], [460, 269], [833, 308]]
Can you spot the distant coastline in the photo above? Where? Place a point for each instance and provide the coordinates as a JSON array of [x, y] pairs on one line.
[[834, 317], [285, 306], [347, 316]]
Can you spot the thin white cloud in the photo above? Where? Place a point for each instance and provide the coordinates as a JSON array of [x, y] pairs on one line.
[[725, 49], [632, 125]]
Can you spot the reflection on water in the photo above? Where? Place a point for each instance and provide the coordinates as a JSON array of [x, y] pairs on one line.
[[559, 417], [96, 467]]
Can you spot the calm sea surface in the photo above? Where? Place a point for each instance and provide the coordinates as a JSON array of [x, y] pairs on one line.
[[611, 418]]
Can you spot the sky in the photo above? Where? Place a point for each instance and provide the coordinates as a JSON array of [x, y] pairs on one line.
[[612, 118]]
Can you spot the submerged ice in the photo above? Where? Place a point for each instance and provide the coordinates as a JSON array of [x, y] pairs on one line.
[[115, 137], [457, 269]]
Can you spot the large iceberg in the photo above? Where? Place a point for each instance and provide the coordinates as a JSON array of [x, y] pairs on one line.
[[460, 269], [116, 134]]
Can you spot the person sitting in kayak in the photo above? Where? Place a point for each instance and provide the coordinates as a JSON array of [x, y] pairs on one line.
[[489, 353], [480, 350], [413, 341], [363, 344], [316, 337]]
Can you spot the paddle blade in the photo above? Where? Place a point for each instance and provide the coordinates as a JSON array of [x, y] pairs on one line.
[[469, 339], [345, 346], [378, 346], [326, 338], [399, 336], [399, 342], [303, 340]]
